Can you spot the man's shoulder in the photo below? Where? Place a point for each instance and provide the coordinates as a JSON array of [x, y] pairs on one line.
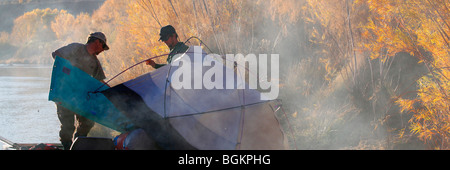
[[181, 47], [69, 50], [75, 45], [71, 47], [184, 46]]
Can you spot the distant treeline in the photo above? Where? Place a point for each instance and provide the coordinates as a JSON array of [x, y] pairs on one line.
[[11, 9], [7, 2]]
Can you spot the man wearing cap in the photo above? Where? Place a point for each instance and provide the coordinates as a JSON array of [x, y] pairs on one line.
[[169, 36], [84, 57]]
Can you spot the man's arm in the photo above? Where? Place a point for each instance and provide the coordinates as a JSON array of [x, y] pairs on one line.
[[66, 52], [153, 64], [159, 65]]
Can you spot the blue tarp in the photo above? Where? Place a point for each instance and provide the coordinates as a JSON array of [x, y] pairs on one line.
[[70, 87]]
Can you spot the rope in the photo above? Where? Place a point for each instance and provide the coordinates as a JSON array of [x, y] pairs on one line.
[[7, 141], [242, 119], [97, 90], [201, 42], [288, 123], [193, 37], [165, 90]]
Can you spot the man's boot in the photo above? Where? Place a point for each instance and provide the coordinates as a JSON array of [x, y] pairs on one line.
[[67, 145]]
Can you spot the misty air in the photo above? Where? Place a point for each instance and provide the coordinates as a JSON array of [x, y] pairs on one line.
[[106, 75]]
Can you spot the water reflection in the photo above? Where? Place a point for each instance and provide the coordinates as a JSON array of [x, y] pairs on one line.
[[26, 115]]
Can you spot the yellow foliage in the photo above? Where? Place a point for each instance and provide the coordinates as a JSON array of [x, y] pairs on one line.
[[342, 31], [383, 28]]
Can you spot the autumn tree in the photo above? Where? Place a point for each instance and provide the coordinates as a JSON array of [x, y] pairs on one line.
[[32, 33], [420, 28], [32, 24], [423, 25], [338, 57], [354, 34]]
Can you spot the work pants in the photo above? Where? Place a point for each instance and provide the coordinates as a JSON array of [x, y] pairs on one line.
[[71, 129]]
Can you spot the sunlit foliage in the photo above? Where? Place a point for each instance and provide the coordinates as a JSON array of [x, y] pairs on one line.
[[332, 50]]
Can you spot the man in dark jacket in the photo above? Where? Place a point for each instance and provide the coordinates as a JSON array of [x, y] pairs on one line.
[[169, 36]]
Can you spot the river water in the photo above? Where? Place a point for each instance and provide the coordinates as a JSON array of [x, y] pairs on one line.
[[26, 115]]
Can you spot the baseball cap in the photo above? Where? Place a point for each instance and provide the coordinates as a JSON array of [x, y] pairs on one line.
[[165, 32], [100, 36]]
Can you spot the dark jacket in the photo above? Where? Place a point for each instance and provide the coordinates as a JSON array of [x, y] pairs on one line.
[[179, 48]]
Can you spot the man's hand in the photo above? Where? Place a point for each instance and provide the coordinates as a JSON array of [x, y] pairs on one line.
[[151, 62]]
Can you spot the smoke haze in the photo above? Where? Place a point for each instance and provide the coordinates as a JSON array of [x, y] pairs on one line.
[[336, 91]]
